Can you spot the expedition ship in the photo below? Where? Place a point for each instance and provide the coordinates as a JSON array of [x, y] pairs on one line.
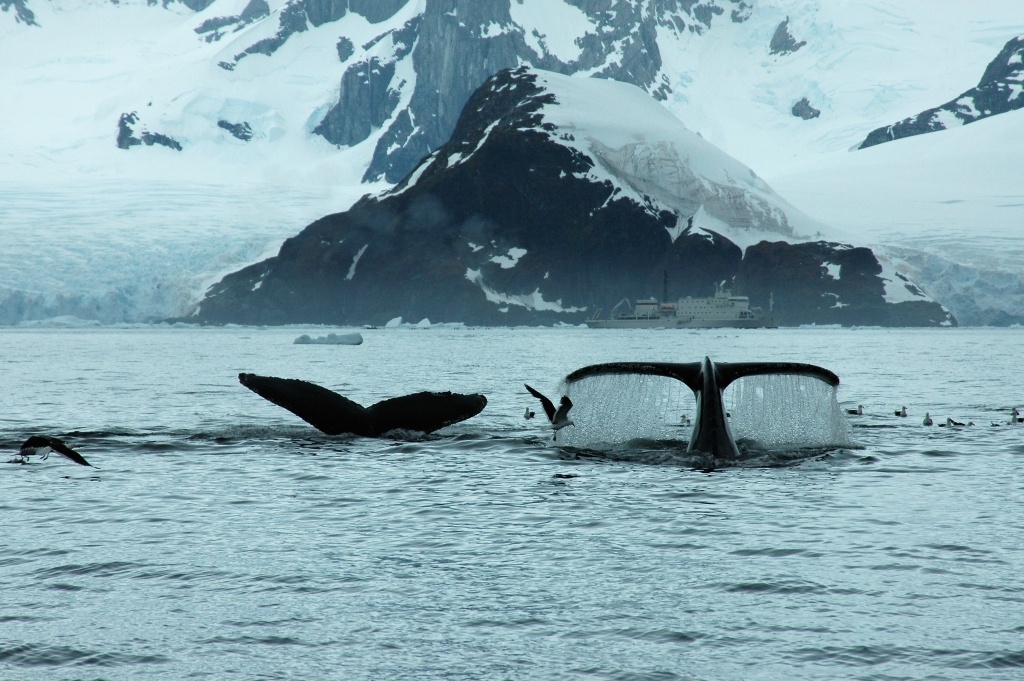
[[723, 310]]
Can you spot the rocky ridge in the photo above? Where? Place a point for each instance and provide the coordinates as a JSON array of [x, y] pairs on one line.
[[529, 215]]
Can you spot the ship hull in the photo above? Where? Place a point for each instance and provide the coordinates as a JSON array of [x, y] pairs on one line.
[[765, 322]]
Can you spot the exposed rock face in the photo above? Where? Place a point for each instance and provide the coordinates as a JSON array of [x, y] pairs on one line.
[[367, 99], [1000, 89], [804, 110], [345, 49], [517, 220], [215, 28], [830, 283], [126, 138], [240, 131], [21, 11], [783, 41], [297, 16], [460, 44]]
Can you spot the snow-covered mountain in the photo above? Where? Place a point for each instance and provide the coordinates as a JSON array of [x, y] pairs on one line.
[[999, 91], [543, 208], [283, 109]]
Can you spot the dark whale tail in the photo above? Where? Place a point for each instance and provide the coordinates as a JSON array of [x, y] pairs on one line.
[[334, 414], [707, 380]]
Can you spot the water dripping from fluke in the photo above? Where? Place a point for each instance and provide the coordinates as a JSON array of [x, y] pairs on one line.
[[761, 413]]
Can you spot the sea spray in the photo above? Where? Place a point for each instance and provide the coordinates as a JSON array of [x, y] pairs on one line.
[[773, 411]]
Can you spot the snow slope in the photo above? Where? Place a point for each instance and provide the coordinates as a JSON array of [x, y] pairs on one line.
[[96, 231], [91, 230]]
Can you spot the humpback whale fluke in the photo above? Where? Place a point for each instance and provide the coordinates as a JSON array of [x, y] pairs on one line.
[[559, 418], [707, 380], [333, 414], [44, 444]]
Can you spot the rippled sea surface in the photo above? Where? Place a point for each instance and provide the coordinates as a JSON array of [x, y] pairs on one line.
[[221, 537]]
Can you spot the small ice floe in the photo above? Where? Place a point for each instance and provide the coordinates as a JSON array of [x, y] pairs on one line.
[[331, 339]]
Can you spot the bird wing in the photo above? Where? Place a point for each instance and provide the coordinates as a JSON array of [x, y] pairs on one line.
[[549, 408], [563, 409], [32, 443], [61, 448]]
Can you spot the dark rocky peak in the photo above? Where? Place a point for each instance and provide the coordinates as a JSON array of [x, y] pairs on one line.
[[298, 15], [22, 14], [368, 95], [742, 11], [508, 101], [126, 137], [241, 131], [194, 5], [1000, 89], [523, 217], [215, 27], [783, 41], [1008, 66], [459, 44], [804, 110]]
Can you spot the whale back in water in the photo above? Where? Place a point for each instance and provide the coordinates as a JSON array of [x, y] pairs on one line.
[[707, 380], [334, 414]]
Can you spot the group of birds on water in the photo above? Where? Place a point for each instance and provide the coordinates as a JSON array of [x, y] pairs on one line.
[[1015, 418]]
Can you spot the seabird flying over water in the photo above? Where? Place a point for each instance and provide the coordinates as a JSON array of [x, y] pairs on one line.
[[559, 418], [43, 445]]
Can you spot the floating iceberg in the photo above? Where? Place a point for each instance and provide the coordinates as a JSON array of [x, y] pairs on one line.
[[331, 339]]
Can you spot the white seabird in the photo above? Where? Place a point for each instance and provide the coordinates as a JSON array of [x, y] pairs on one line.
[[559, 418]]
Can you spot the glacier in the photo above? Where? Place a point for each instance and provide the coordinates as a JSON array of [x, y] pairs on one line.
[[101, 233]]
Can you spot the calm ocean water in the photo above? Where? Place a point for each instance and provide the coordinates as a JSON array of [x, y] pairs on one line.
[[224, 538]]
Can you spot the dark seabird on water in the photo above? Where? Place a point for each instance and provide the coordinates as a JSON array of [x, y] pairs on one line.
[[529, 414], [901, 412], [43, 445], [559, 418], [859, 411]]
